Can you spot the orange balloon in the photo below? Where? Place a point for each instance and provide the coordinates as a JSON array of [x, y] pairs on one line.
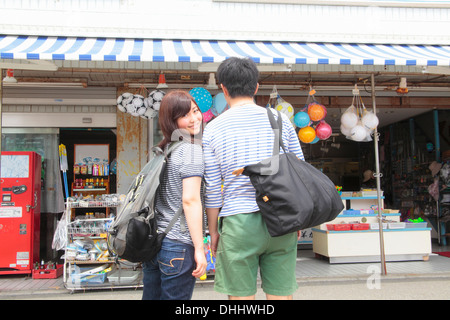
[[307, 134], [316, 111]]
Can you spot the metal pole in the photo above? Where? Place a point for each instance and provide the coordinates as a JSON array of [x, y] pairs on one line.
[[440, 227], [377, 175]]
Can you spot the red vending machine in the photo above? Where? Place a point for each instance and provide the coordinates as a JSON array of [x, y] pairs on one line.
[[20, 182]]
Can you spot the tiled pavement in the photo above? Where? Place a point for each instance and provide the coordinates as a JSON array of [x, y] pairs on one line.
[[309, 268]]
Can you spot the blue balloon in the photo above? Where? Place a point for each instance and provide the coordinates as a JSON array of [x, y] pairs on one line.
[[316, 139], [202, 97], [219, 104], [301, 119]]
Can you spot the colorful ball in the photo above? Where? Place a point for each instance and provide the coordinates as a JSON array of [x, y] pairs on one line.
[[323, 130], [301, 119], [316, 111], [316, 139], [286, 108], [307, 134], [219, 104], [202, 97], [208, 116]]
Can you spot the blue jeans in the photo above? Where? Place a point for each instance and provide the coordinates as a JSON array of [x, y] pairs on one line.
[[168, 276]]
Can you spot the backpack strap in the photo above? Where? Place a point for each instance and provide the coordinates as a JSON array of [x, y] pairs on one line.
[[179, 214], [174, 219]]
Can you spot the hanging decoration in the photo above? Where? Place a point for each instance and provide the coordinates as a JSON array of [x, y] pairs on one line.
[[202, 97], [311, 121], [219, 104], [357, 123], [141, 104], [278, 103]]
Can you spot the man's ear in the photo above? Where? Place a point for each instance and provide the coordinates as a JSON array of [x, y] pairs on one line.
[[257, 87]]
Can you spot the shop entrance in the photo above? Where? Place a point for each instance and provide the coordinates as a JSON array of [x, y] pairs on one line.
[[73, 136]]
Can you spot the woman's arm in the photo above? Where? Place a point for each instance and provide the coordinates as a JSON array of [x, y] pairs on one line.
[[193, 211]]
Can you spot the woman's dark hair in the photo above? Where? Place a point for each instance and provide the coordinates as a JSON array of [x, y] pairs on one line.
[[174, 105], [239, 76]]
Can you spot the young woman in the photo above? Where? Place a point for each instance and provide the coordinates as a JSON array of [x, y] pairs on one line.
[[171, 274]]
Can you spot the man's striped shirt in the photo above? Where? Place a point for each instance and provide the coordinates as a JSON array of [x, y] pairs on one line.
[[240, 136]]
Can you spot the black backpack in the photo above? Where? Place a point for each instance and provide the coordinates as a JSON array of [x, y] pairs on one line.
[[133, 234]]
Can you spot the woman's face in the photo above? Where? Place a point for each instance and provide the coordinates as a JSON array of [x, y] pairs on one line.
[[192, 121]]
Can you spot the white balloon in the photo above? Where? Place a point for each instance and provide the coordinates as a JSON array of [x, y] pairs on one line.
[[370, 120], [345, 131], [349, 119], [358, 133]]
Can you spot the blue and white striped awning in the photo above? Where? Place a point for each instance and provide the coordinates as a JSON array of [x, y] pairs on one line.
[[204, 51]]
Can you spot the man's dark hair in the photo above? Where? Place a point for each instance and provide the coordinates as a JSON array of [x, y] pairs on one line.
[[239, 76]]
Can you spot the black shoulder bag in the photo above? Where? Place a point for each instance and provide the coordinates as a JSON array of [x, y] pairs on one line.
[[291, 194]]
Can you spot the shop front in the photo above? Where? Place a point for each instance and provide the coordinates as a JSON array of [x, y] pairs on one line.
[[88, 118]]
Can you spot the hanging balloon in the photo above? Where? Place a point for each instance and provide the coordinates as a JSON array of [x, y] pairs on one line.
[[202, 97], [358, 133], [286, 108], [369, 120], [316, 111], [345, 131], [208, 116], [307, 134], [316, 139], [349, 118], [323, 130], [219, 104], [301, 119]]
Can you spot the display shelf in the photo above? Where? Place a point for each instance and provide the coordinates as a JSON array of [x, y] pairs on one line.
[[87, 264]]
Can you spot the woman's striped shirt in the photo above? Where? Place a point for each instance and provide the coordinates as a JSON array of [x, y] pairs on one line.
[[184, 162], [240, 136]]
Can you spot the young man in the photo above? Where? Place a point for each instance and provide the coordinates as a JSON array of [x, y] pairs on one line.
[[239, 137]]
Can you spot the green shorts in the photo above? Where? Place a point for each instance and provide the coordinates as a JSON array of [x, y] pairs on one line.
[[244, 246]]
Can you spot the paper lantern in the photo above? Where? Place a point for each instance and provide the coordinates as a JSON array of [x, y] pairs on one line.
[[301, 119], [307, 134], [323, 130], [316, 111]]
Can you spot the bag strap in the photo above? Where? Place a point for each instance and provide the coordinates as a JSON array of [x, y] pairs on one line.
[[277, 126], [167, 151], [174, 219]]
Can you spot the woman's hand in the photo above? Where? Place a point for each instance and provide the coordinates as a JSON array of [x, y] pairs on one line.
[[200, 259]]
